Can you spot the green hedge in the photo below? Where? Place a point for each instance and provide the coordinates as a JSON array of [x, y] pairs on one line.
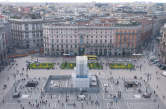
[[68, 65], [122, 66], [95, 66], [72, 65], [41, 66]]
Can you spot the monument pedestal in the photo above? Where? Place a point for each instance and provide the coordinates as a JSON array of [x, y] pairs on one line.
[[80, 81], [80, 78]]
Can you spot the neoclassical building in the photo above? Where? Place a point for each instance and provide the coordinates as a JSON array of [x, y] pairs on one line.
[[76, 39], [27, 33], [94, 39]]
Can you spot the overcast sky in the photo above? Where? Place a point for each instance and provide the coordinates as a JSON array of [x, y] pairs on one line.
[[163, 1]]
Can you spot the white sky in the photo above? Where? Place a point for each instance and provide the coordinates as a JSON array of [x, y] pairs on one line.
[[163, 1]]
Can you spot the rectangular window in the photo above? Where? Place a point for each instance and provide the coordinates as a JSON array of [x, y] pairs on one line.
[[26, 27]]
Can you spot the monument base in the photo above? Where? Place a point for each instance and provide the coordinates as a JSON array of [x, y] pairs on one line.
[[80, 81]]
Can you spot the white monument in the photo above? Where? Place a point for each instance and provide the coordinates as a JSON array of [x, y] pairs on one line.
[[80, 78]]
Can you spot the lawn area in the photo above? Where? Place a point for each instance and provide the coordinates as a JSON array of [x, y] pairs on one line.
[[68, 65], [41, 66], [95, 66], [121, 66]]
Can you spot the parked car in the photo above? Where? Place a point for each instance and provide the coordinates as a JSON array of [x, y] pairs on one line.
[[81, 97], [163, 73], [31, 84], [153, 58], [130, 84], [147, 95], [4, 86], [155, 61], [162, 67], [158, 64], [16, 94]]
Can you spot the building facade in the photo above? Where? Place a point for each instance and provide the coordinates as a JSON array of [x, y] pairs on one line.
[[27, 33], [162, 54], [126, 40], [101, 40], [3, 46], [76, 39]]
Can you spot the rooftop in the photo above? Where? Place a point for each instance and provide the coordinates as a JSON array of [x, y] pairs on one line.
[[128, 24]]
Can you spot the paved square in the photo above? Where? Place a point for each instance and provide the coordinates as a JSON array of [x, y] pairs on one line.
[[107, 98]]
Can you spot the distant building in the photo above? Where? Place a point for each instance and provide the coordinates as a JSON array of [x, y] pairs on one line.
[[162, 53], [27, 33], [128, 38], [76, 39], [97, 39], [3, 45]]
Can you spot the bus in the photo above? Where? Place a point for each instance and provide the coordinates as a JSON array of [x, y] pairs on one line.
[[67, 55], [137, 55], [91, 57]]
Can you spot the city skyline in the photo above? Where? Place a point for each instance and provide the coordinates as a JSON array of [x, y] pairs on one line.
[[71, 54], [83, 1]]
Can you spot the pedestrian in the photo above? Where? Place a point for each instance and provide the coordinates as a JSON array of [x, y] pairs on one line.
[[158, 106], [164, 97], [3, 101]]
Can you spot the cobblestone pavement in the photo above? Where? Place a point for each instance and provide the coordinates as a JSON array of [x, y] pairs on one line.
[[15, 72]]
